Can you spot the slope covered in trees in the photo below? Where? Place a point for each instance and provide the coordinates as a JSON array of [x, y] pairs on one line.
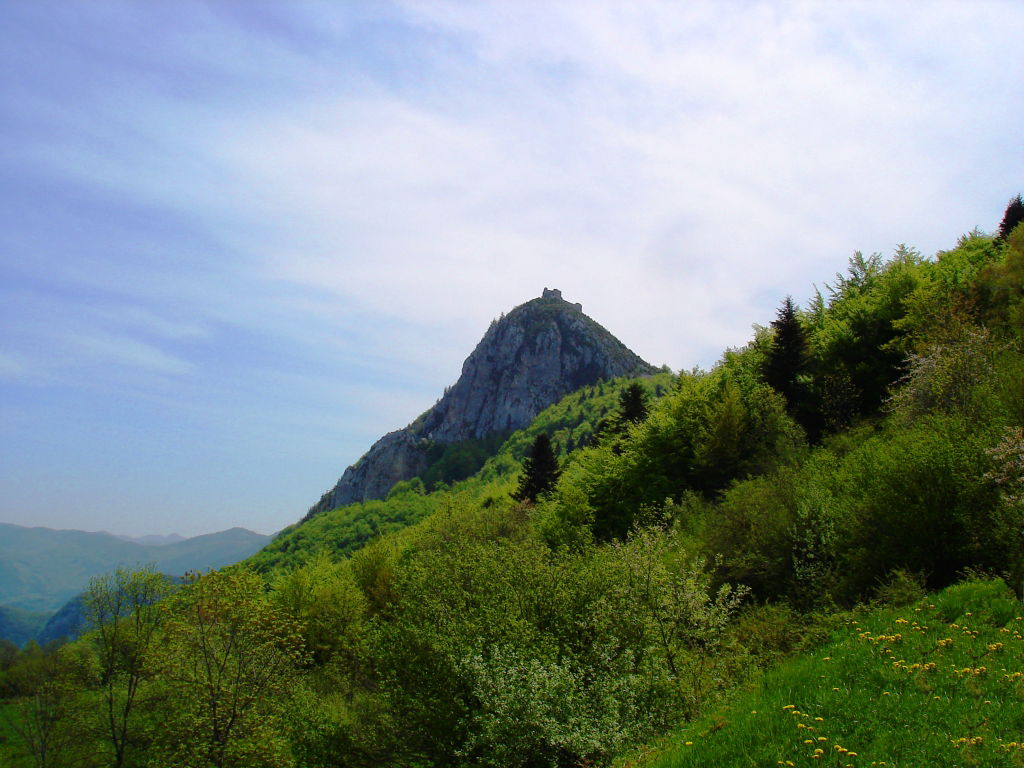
[[572, 422], [734, 524]]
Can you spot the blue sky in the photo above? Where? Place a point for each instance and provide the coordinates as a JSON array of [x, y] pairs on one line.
[[240, 240]]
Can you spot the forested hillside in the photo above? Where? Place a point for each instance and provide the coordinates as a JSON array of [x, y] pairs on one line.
[[699, 529], [573, 422]]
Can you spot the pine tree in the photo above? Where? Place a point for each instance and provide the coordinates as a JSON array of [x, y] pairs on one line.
[[633, 408], [540, 471], [632, 404], [787, 356], [1013, 216]]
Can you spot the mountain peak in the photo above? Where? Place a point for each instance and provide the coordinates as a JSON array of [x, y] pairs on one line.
[[528, 359]]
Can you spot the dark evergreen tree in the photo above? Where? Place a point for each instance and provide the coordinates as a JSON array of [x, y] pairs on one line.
[[540, 471], [787, 368], [1013, 216], [633, 408], [787, 356], [632, 404]]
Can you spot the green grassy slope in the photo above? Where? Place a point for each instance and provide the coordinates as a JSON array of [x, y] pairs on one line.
[[938, 683]]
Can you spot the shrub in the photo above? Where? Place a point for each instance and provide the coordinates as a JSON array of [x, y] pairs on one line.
[[987, 600], [900, 588]]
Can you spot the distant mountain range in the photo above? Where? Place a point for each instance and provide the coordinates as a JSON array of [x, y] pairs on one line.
[[153, 539], [41, 568]]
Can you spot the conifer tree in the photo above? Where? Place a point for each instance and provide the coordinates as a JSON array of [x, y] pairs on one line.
[[540, 471], [633, 408], [632, 404], [1013, 216], [787, 356]]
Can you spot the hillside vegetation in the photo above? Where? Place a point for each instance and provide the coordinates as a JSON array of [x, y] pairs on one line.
[[711, 548], [572, 422]]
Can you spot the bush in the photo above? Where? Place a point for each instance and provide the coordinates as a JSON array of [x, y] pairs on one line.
[[900, 588], [987, 601], [769, 631], [750, 531]]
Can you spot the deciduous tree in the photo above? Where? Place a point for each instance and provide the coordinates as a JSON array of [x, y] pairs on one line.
[[230, 657], [122, 610]]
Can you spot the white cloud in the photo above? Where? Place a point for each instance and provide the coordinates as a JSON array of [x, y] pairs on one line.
[[619, 150], [693, 162]]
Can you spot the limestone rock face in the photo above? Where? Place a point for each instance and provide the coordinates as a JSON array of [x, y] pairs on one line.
[[532, 357], [397, 456]]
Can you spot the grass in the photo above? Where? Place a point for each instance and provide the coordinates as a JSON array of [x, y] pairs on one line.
[[938, 683]]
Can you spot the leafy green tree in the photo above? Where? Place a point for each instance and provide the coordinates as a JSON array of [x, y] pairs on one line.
[[749, 539], [8, 655], [955, 377], [230, 656], [50, 718], [685, 617], [914, 497], [859, 343], [323, 598], [122, 609], [721, 451], [713, 429], [1000, 286], [1006, 525], [497, 653], [540, 471]]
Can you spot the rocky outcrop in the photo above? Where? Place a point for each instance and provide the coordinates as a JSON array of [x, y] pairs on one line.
[[528, 359], [395, 457]]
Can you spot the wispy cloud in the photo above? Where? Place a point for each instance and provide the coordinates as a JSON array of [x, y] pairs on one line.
[[105, 350]]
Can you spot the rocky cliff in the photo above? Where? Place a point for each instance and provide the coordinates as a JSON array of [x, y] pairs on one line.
[[528, 359]]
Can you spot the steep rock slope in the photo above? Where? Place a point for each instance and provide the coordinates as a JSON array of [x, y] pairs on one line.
[[527, 360]]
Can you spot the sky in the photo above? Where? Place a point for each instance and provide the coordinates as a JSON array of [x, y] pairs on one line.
[[240, 239]]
